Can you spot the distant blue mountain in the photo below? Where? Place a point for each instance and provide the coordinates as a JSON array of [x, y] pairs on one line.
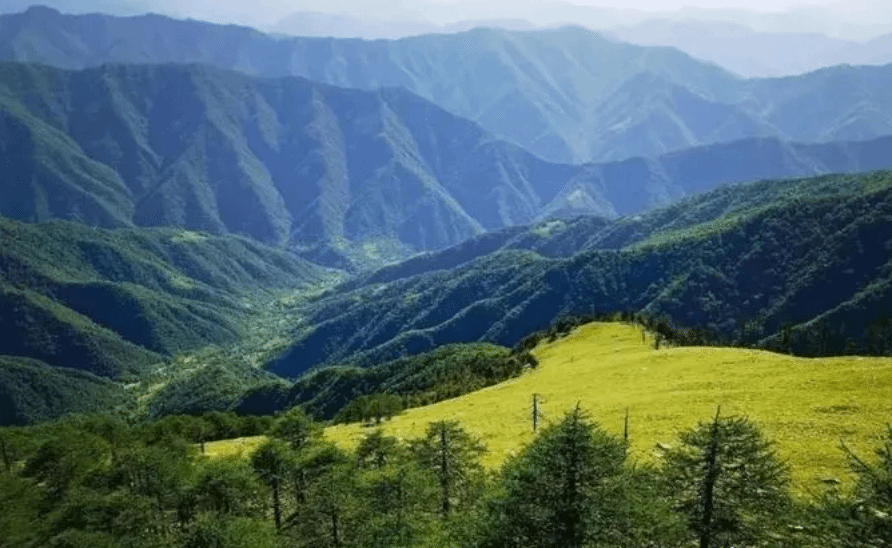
[[567, 95]]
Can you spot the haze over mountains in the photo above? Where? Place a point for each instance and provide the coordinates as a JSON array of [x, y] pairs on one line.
[[338, 175], [783, 40], [567, 95]]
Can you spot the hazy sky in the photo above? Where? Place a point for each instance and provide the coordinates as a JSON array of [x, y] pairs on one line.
[[263, 13]]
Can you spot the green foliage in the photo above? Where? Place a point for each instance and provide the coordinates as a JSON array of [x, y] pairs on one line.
[[228, 487], [32, 391], [445, 372], [452, 456], [212, 531], [866, 519], [271, 462], [726, 478], [371, 409], [217, 387], [111, 302], [376, 451], [296, 428], [66, 460], [561, 490], [101, 481], [20, 521], [823, 292]]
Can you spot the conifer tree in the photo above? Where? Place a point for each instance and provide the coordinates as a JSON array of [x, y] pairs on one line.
[[727, 480], [452, 455], [560, 491]]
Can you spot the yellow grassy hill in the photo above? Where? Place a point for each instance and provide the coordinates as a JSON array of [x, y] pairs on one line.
[[806, 405]]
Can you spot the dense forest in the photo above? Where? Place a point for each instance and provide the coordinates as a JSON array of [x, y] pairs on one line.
[[99, 480]]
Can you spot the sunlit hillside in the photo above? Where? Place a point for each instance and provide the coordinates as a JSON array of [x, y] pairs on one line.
[[807, 405]]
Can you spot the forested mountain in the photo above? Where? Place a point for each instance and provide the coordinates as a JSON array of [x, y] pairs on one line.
[[798, 265], [82, 303], [565, 94], [345, 177]]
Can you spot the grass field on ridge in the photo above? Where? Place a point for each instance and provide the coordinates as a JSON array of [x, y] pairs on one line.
[[806, 405]]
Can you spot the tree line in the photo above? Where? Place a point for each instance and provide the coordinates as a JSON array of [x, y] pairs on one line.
[[100, 481]]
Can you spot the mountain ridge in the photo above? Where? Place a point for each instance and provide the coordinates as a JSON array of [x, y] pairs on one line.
[[549, 91], [343, 177]]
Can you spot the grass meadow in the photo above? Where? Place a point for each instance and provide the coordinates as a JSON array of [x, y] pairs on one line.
[[807, 406]]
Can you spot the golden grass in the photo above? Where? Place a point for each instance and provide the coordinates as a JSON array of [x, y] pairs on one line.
[[806, 405], [241, 447]]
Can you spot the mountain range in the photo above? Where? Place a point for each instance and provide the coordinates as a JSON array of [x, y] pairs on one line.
[[345, 177], [198, 216], [566, 95], [176, 316], [750, 53], [86, 311]]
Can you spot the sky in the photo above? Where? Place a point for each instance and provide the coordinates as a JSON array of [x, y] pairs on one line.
[[265, 13]]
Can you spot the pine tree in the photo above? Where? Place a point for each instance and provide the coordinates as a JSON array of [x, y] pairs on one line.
[[452, 455], [271, 462], [726, 478], [870, 515], [560, 491]]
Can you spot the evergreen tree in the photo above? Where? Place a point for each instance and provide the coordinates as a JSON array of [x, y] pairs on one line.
[[296, 428], [228, 486], [452, 456], [271, 462], [212, 531], [728, 481], [868, 519], [560, 491], [376, 450]]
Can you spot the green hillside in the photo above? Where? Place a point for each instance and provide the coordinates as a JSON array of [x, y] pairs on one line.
[[122, 303], [32, 391], [795, 266], [807, 405]]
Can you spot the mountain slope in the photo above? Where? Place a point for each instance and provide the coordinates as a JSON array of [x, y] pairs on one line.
[[614, 373], [345, 177], [285, 160], [767, 273], [114, 303], [567, 95], [32, 391]]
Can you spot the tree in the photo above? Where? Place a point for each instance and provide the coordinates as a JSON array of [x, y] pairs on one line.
[[66, 460], [91, 517], [375, 450], [452, 455], [159, 472], [5, 453], [325, 501], [869, 516], [211, 531], [728, 481], [393, 491], [296, 428], [21, 523], [557, 491], [228, 487], [271, 462], [369, 409]]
